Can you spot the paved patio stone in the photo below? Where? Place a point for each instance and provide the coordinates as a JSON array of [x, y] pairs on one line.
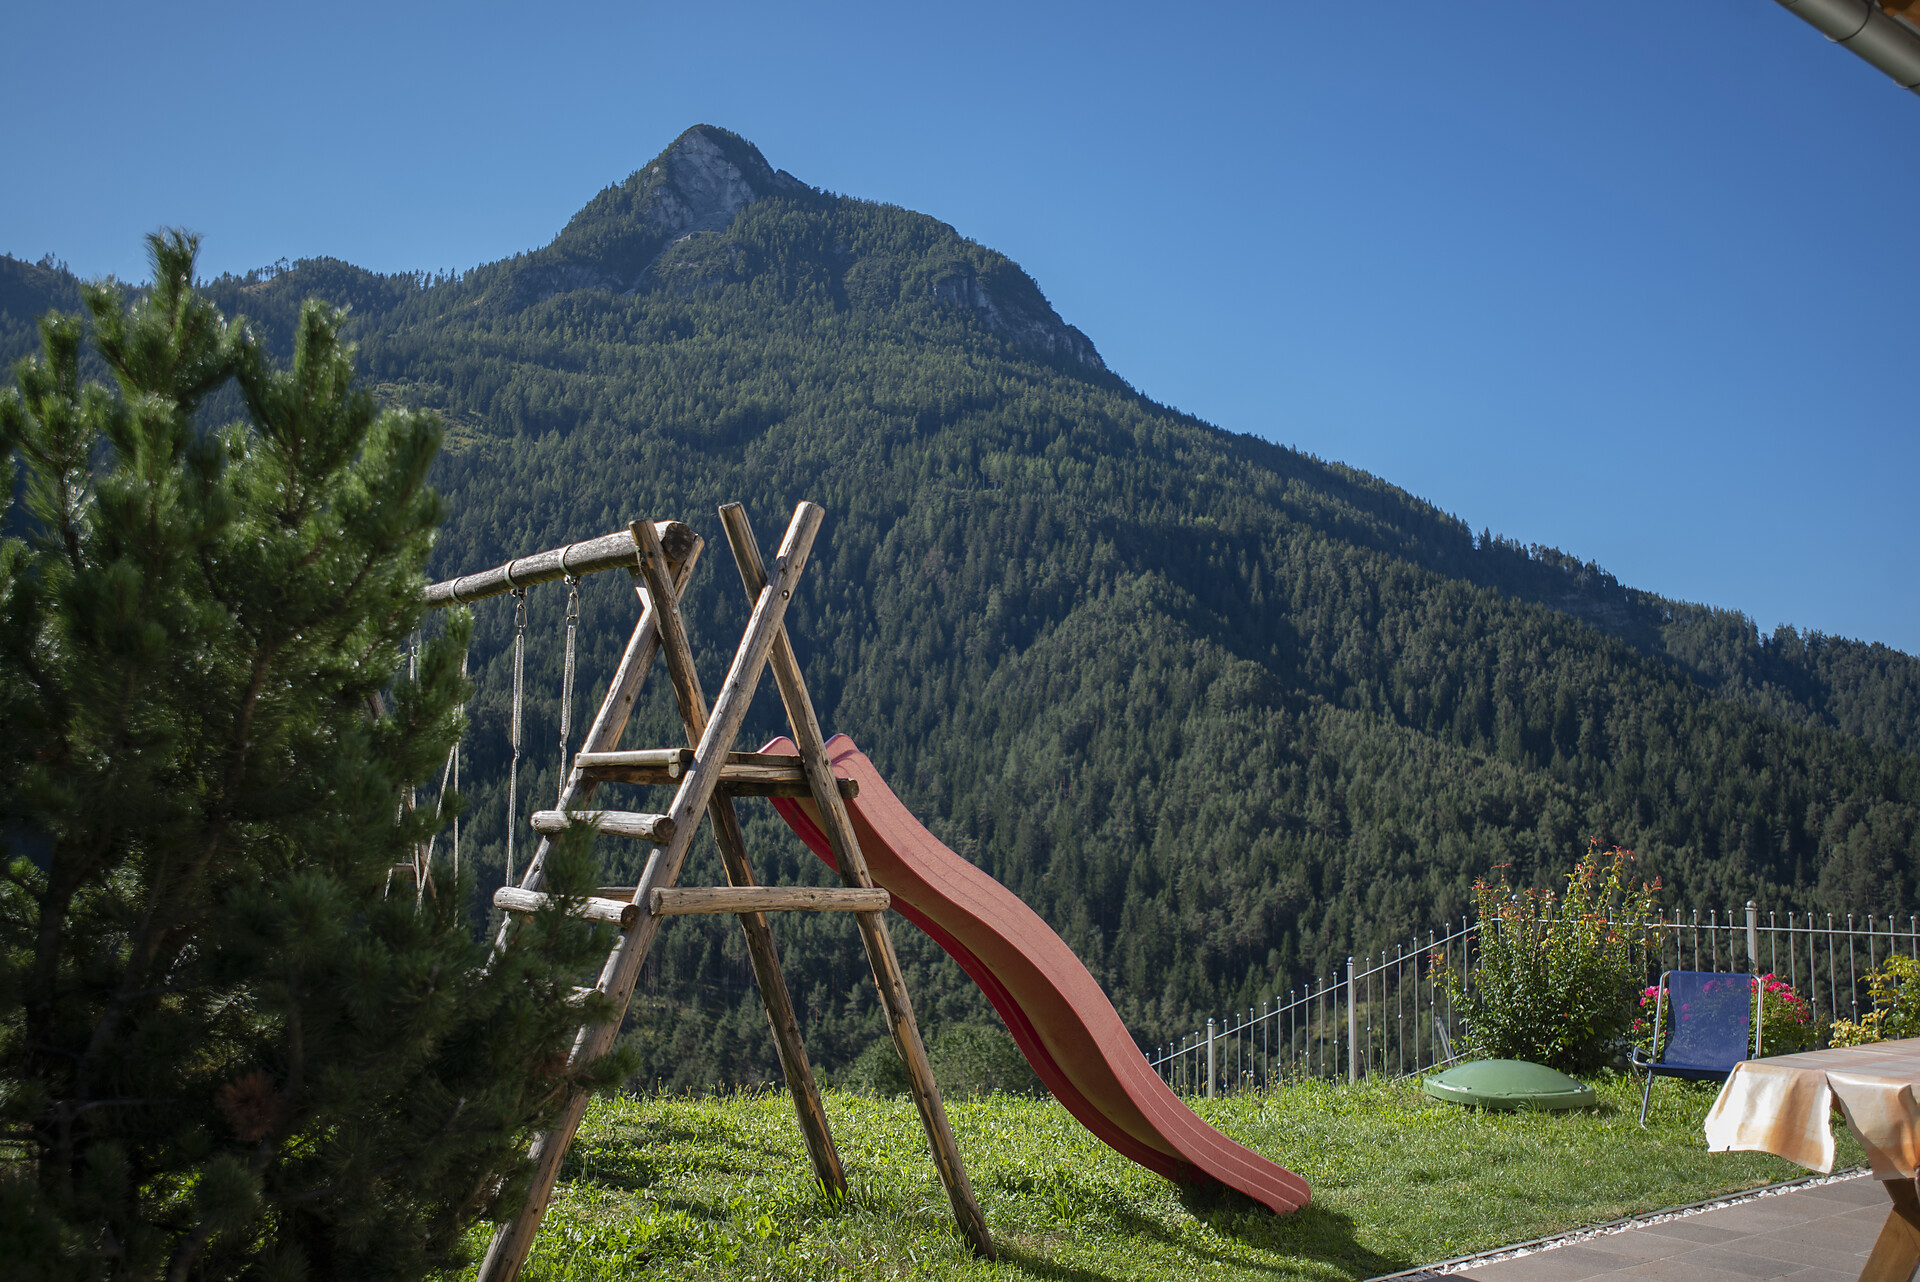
[[1675, 1271], [1834, 1233], [1792, 1245], [1762, 1217], [1689, 1230], [1819, 1234], [1638, 1248], [1860, 1192], [1866, 1214], [1580, 1263], [1728, 1260]]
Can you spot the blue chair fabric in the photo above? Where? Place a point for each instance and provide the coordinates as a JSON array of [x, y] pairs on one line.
[[1714, 1019]]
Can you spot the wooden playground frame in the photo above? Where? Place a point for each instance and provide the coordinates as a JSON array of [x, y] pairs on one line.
[[706, 777]]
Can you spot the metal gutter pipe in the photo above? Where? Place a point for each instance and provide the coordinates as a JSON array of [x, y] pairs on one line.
[[1866, 29]]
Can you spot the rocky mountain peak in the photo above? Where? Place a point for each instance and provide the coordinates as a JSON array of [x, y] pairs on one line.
[[698, 184], [634, 236], [706, 177]]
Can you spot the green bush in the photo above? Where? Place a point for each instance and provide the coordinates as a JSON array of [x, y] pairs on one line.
[[1896, 1005], [1555, 979], [968, 1060], [1787, 1025], [877, 1069], [972, 1059]]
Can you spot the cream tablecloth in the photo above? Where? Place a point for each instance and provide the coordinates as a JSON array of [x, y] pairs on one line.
[[1782, 1105]]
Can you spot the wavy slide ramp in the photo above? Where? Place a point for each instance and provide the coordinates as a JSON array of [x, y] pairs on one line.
[[1054, 1008]]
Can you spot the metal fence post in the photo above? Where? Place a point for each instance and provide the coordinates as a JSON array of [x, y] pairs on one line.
[[1353, 1028], [1753, 937], [1209, 1057]]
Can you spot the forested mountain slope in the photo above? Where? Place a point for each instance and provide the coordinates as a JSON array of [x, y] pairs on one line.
[[1222, 712]]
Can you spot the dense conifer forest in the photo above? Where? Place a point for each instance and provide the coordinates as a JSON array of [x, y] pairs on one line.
[[1222, 712]]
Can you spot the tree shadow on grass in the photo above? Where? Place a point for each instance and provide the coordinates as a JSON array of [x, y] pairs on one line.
[[1314, 1232], [628, 1161], [1033, 1264], [613, 1173], [1311, 1234]]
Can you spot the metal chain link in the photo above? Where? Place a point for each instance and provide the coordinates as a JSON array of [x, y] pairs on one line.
[[412, 797], [566, 675], [513, 770], [456, 786]]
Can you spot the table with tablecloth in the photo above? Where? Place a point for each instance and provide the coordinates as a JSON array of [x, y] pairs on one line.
[[1784, 1104]]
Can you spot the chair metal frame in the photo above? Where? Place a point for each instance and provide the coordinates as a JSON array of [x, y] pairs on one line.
[[1656, 1067]]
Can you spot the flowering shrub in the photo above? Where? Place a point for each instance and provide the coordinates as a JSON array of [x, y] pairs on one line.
[[1787, 1022], [1555, 980], [1896, 1005], [1786, 1027]]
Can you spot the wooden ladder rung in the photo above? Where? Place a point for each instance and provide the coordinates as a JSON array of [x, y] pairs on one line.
[[768, 899], [515, 900], [743, 774], [670, 760], [617, 823]]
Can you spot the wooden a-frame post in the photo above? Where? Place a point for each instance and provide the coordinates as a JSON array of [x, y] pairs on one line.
[[887, 975], [701, 777]]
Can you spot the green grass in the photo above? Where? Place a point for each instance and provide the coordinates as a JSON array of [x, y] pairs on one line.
[[720, 1187]]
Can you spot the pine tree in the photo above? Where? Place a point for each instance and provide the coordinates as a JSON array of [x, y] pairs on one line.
[[229, 1045]]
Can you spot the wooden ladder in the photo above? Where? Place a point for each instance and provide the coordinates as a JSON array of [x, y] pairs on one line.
[[706, 778]]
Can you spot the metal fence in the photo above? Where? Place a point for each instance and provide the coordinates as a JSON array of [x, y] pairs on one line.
[[1389, 1013]]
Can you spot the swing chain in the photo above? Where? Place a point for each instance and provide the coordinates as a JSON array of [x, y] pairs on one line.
[[566, 674], [449, 777], [456, 782], [513, 769]]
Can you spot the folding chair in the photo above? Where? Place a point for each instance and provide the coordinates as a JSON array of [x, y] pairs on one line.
[[1711, 1014]]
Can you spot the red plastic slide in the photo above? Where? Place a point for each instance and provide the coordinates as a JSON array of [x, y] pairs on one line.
[[1054, 1008]]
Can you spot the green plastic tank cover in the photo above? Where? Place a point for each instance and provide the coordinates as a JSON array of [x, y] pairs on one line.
[[1509, 1083]]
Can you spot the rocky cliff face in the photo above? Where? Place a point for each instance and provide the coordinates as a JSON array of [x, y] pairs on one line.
[[699, 184], [635, 237], [1020, 316]]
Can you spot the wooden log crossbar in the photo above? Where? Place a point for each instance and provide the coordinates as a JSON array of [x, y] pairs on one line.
[[608, 552], [614, 823], [593, 908], [706, 778], [743, 774], [615, 903]]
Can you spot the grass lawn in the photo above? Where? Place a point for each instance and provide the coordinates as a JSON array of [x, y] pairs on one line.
[[720, 1187]]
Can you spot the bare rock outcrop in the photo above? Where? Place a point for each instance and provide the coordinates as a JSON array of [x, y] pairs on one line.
[[622, 240], [699, 184]]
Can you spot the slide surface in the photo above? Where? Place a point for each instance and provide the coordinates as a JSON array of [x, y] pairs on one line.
[[1054, 1008]]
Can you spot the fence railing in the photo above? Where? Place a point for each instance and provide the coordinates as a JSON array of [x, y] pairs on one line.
[[1389, 1013]]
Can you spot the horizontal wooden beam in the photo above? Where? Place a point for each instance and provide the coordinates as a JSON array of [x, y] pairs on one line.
[[675, 760], [671, 760], [745, 774], [768, 899], [615, 823], [608, 552], [849, 788], [515, 900]]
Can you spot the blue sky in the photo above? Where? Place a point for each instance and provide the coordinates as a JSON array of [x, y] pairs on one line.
[[1632, 280]]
